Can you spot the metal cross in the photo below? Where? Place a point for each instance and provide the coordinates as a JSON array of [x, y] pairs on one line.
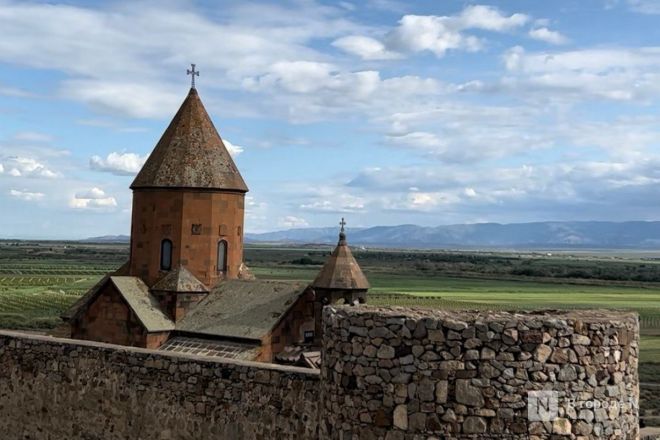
[[342, 223], [192, 72]]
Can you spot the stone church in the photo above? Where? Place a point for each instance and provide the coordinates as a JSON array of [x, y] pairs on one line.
[[185, 287]]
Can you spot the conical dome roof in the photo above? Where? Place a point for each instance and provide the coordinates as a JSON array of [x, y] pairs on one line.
[[190, 154], [341, 271]]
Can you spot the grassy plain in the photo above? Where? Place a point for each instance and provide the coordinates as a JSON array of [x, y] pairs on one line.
[[38, 280]]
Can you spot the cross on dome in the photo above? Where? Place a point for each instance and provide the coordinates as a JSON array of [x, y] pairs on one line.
[[194, 73]]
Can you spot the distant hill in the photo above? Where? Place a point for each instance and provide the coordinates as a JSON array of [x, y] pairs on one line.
[[108, 239], [590, 234]]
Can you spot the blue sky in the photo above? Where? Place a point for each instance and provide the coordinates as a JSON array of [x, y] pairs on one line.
[[384, 112]]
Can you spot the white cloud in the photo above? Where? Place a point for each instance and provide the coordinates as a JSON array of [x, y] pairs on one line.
[[489, 18], [233, 149], [115, 64], [92, 193], [618, 74], [437, 34], [27, 167], [365, 47], [2, 168], [417, 33], [570, 189], [306, 77], [121, 164], [26, 195], [466, 133], [547, 35], [93, 198], [291, 221]]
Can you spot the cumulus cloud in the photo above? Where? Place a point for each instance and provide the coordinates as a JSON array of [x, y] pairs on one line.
[[121, 164], [19, 166], [437, 34], [26, 195], [545, 34], [366, 48], [93, 198]]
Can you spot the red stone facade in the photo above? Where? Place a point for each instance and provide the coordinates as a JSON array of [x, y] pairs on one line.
[[109, 319], [291, 329], [196, 221], [177, 304]]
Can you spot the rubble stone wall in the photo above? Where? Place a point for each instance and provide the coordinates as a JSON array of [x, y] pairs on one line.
[[388, 373], [53, 389], [411, 373]]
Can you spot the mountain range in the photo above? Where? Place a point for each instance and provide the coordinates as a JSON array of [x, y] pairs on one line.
[[589, 234]]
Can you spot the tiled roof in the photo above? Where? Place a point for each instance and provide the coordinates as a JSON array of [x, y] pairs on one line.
[[241, 309], [145, 306], [180, 280], [341, 271], [190, 154]]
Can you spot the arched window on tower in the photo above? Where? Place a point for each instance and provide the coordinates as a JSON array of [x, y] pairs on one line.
[[222, 256], [166, 254]]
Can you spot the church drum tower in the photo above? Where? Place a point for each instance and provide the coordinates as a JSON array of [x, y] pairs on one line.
[[188, 203]]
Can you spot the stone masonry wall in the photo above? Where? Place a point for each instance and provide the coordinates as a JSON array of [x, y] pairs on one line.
[[416, 374], [53, 389], [389, 374]]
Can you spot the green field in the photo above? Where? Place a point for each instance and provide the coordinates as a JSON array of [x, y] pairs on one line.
[[39, 281], [483, 294]]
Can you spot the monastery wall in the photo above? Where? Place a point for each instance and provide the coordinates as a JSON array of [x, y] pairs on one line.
[[407, 374], [388, 374], [53, 389]]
